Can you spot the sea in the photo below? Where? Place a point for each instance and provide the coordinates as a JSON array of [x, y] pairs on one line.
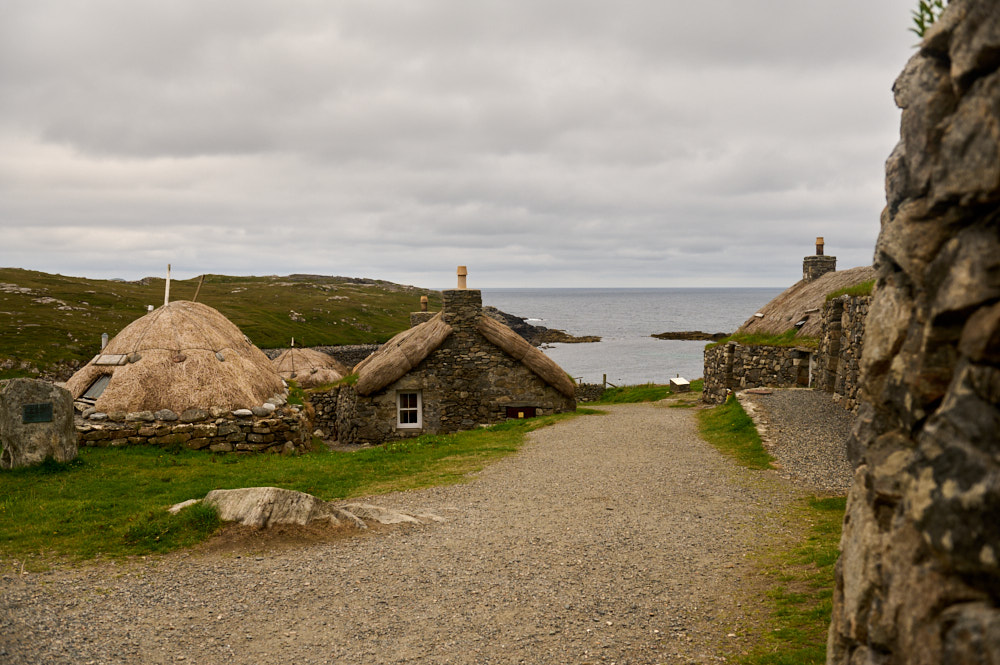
[[625, 319]]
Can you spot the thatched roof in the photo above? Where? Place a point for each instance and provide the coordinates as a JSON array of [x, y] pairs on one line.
[[180, 356], [804, 301], [516, 346], [406, 350], [400, 354], [309, 367]]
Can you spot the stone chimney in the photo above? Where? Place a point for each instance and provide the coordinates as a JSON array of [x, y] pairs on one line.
[[816, 266], [416, 318], [463, 306]]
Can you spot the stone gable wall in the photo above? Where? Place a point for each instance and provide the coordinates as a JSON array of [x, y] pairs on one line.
[[464, 383], [918, 579]]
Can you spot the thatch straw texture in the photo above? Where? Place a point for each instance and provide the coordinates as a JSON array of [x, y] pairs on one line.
[[804, 300], [309, 367], [175, 364], [400, 354], [516, 346]]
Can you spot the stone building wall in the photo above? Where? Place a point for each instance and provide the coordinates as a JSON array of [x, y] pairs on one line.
[[285, 429], [852, 332], [466, 382], [833, 367], [325, 405], [918, 579]]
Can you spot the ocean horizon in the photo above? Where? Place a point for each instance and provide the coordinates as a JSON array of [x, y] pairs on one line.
[[625, 319]]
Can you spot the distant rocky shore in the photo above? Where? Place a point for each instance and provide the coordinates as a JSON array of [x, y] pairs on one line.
[[536, 335], [696, 335]]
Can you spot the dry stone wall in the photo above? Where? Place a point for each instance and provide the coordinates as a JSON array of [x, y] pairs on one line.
[[834, 367], [918, 580], [284, 429]]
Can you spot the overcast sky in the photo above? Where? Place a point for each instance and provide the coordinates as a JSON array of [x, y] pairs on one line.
[[541, 143]]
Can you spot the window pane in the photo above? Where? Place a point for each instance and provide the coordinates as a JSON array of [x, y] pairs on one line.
[[408, 401], [408, 417]]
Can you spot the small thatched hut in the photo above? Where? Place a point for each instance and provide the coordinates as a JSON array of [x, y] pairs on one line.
[[180, 356], [309, 367], [456, 370]]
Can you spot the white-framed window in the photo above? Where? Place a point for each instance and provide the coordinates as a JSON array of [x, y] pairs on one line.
[[409, 409]]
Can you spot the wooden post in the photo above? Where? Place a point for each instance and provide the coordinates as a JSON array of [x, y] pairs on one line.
[[166, 292], [198, 290], [605, 381]]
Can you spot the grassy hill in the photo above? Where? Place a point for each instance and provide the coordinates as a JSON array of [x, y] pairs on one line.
[[50, 321]]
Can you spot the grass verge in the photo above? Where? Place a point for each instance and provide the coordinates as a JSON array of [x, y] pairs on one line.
[[731, 430], [801, 576], [110, 501], [800, 600]]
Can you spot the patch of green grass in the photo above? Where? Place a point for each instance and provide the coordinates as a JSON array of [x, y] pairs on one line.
[[111, 501], [786, 338], [862, 289], [801, 599], [648, 392], [731, 430]]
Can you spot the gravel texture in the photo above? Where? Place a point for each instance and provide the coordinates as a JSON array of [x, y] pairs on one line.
[[806, 432], [617, 538]]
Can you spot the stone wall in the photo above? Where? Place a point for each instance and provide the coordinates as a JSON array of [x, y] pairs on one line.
[[285, 429], [852, 332], [464, 383], [325, 405], [833, 367], [735, 367], [918, 580]]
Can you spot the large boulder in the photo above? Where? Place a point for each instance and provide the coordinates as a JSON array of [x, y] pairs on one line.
[[36, 423], [262, 507], [919, 574]]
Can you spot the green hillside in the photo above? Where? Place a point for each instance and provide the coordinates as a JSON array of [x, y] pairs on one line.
[[50, 320]]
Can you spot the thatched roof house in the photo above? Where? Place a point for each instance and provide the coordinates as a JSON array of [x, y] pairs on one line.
[[180, 356], [801, 305], [309, 367], [456, 370]]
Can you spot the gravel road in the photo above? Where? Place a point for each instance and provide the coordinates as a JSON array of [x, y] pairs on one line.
[[617, 538]]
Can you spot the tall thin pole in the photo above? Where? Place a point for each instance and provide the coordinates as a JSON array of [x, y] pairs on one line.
[[198, 290], [166, 292]]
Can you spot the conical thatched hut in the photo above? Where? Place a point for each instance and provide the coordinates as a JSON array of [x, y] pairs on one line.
[[180, 356], [456, 370], [309, 367]]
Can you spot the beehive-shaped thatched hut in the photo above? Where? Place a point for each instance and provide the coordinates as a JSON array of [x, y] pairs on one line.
[[309, 367], [183, 355], [456, 370]]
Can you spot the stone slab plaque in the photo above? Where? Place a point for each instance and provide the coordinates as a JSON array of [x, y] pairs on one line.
[[37, 413]]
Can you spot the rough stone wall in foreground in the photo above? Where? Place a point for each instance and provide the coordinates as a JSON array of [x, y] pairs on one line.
[[918, 580]]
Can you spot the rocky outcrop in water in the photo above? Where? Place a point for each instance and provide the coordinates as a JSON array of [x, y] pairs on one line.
[[919, 579], [536, 335]]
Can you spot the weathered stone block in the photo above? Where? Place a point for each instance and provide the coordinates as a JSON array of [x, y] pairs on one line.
[[36, 422]]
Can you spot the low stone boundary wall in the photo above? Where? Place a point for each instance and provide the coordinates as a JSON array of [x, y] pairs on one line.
[[283, 430], [589, 392], [735, 367]]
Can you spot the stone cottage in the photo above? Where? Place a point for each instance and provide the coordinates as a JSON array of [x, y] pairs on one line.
[[454, 370]]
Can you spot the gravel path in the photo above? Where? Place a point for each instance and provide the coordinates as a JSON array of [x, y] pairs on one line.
[[806, 432], [618, 538]]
